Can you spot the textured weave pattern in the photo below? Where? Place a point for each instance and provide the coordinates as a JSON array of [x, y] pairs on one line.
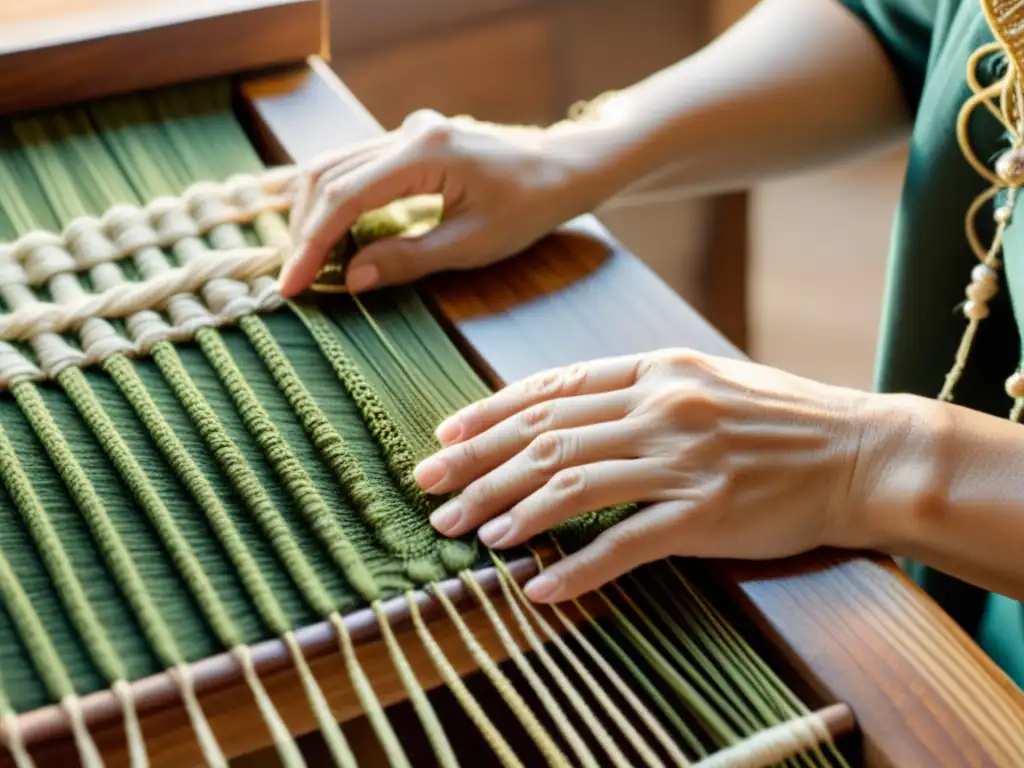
[[191, 465], [182, 496]]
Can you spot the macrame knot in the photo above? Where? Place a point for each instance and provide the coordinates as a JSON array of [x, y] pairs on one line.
[[43, 255], [207, 207], [10, 270], [88, 243], [170, 218], [128, 226], [14, 365]]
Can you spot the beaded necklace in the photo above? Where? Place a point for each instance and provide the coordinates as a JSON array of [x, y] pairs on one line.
[[1004, 99]]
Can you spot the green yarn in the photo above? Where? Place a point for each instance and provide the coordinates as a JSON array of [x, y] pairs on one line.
[[213, 493], [75, 384], [92, 509]]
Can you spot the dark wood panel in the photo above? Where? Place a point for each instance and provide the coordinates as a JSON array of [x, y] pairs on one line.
[[854, 625], [73, 50]]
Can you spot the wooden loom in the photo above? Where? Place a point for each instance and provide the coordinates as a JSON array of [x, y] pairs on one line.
[[845, 629]]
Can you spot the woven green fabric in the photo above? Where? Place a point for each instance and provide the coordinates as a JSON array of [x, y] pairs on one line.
[[258, 478], [80, 162]]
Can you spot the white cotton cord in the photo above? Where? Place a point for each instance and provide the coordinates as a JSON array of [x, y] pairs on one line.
[[10, 732], [128, 298], [87, 751], [234, 282], [772, 745], [123, 229], [137, 757]]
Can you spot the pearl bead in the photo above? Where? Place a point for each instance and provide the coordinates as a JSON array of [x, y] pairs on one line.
[[981, 292], [1003, 214], [1010, 167], [975, 310], [1015, 385], [983, 272]]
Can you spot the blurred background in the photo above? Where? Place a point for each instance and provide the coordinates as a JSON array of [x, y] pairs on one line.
[[791, 271]]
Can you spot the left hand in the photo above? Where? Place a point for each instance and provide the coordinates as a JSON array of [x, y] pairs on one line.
[[731, 458]]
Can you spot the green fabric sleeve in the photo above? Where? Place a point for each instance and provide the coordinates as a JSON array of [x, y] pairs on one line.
[[904, 30]]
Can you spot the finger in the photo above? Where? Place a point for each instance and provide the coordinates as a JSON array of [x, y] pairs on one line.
[[400, 260], [513, 481], [602, 375], [576, 490], [454, 467], [651, 534], [370, 187], [322, 164]]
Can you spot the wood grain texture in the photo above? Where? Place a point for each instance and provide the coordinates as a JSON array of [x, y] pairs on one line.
[[856, 628], [61, 51]]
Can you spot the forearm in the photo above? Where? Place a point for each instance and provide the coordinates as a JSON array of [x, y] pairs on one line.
[[794, 84], [951, 495]]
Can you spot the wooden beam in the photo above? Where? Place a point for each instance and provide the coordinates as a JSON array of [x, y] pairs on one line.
[[74, 50]]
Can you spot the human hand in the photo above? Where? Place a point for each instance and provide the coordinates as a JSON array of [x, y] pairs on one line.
[[503, 187], [731, 459]]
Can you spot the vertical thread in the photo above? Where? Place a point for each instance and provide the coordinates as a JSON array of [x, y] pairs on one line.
[[69, 589], [579, 747], [547, 746], [309, 501], [329, 727], [10, 732], [364, 692], [511, 586], [285, 745], [472, 708], [121, 565], [428, 718], [242, 477]]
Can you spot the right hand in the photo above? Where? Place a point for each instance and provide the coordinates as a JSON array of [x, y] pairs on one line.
[[503, 187]]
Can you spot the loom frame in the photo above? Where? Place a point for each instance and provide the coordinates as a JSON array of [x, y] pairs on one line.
[[296, 107]]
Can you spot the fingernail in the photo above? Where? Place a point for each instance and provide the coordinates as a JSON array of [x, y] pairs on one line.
[[497, 529], [430, 472], [542, 587], [446, 518], [449, 431], [361, 277]]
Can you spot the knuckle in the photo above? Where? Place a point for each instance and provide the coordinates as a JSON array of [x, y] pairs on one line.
[[671, 361], [548, 450], [559, 382], [569, 483], [438, 135], [536, 419], [334, 190]]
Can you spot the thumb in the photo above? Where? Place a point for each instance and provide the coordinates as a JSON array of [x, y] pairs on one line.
[[400, 260]]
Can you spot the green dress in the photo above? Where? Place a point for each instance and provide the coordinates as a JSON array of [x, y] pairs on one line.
[[929, 43]]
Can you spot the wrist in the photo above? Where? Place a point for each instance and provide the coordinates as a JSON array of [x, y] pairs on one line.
[[607, 146], [904, 478]]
